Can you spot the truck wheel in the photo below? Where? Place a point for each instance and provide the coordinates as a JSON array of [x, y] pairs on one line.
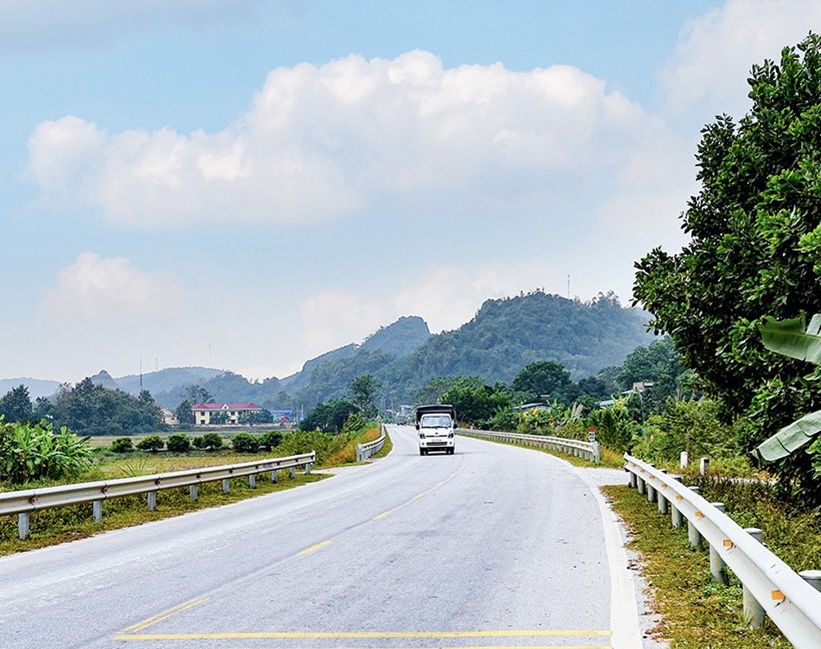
[[421, 451]]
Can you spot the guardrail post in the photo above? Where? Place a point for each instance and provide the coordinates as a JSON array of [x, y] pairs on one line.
[[661, 499], [717, 566], [812, 577], [308, 469], [683, 460], [273, 476], [226, 485], [152, 501], [704, 465], [633, 480], [753, 612], [692, 533], [651, 492], [596, 453], [252, 481], [359, 452], [97, 506], [23, 525], [192, 492], [293, 472], [675, 512]]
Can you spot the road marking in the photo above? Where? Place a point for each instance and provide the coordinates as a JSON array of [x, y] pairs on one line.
[[383, 515], [300, 635], [418, 496], [314, 548], [159, 617]]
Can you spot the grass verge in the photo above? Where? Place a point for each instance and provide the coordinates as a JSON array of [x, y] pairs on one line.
[[62, 524], [696, 612]]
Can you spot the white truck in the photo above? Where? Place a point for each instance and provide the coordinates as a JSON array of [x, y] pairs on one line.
[[437, 427]]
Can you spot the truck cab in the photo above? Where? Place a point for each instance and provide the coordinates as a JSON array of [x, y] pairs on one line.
[[436, 425]]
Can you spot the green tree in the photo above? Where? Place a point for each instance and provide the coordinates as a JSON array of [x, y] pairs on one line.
[[16, 405], [328, 417], [755, 251], [178, 443], [122, 445], [184, 413], [545, 380], [363, 390], [152, 443], [210, 442], [474, 401], [245, 443]]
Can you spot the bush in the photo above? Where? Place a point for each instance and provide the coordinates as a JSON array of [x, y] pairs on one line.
[[245, 443], [270, 440], [122, 445], [151, 443], [178, 443], [30, 451], [212, 441], [199, 442]]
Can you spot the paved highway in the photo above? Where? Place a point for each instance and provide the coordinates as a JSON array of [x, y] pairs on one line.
[[494, 546]]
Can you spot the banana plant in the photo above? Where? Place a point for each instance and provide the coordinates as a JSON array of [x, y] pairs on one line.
[[795, 339]]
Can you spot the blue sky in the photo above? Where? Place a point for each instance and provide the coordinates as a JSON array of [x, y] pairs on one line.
[[245, 184]]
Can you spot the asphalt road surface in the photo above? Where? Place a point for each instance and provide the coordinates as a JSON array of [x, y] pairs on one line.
[[495, 546]]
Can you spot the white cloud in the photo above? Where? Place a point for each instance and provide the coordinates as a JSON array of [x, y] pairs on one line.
[[322, 142], [446, 297], [717, 50], [96, 290]]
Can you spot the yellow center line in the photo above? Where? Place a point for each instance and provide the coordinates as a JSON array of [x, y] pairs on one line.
[[418, 496], [159, 617], [365, 634], [314, 548], [383, 515]]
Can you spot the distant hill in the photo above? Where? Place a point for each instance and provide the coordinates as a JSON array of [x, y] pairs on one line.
[[37, 387], [503, 337], [166, 380]]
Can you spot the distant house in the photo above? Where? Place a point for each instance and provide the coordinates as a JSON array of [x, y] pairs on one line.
[[169, 418], [233, 411]]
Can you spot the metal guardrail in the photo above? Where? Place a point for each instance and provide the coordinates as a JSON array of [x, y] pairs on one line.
[[23, 503], [770, 586], [364, 451], [587, 450]]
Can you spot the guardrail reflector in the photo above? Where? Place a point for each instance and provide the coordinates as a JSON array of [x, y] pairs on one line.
[[699, 515], [728, 543], [778, 595], [679, 497], [663, 486]]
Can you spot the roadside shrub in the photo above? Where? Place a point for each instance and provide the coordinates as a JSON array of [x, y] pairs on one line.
[[178, 443], [270, 440], [692, 426], [152, 443], [354, 423], [212, 441], [245, 443], [33, 451], [122, 445], [198, 442]]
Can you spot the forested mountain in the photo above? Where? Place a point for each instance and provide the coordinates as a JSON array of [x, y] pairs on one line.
[[503, 337]]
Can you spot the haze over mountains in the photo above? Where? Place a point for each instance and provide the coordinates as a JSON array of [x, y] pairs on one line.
[[504, 336]]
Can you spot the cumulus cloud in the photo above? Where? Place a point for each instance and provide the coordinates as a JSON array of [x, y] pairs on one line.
[[446, 297], [717, 50], [96, 290], [321, 142]]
